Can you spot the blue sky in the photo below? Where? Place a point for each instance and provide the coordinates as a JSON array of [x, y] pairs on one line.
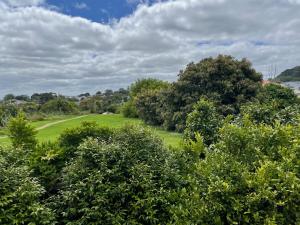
[[97, 10]]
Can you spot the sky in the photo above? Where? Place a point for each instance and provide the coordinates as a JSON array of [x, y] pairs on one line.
[[75, 46]]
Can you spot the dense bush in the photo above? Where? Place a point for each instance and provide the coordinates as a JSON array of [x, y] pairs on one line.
[[20, 193], [148, 106], [21, 133], [205, 120], [282, 95], [128, 110], [250, 176], [60, 106], [129, 179]]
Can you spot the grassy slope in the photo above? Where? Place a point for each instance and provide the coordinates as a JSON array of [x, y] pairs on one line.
[[115, 121]]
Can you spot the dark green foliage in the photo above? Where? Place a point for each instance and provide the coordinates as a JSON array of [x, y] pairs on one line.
[[270, 113], [225, 80], [148, 105], [42, 98], [143, 94], [72, 138], [289, 75], [8, 97], [21, 133], [46, 163], [282, 95], [109, 101], [274, 103], [20, 193], [128, 180], [128, 110], [60, 106], [205, 120]]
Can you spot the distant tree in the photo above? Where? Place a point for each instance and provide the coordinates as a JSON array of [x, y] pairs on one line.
[[22, 98], [21, 133], [140, 89], [84, 95], [6, 112], [42, 98], [144, 85], [60, 105], [8, 97], [148, 105]]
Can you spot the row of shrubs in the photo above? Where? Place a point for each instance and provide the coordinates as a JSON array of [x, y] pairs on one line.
[[95, 175]]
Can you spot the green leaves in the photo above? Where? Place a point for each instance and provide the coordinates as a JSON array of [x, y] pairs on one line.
[[22, 135]]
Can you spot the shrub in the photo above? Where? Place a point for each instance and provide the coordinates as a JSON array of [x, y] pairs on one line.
[[205, 120], [20, 193], [70, 139], [60, 105], [128, 110], [250, 176], [131, 179], [21, 133]]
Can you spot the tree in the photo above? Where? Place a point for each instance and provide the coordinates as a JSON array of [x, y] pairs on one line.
[[42, 98], [140, 89], [226, 81], [21, 133], [8, 97], [60, 105], [283, 96], [7, 111], [148, 105]]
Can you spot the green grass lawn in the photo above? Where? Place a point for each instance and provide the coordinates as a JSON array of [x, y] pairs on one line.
[[114, 121]]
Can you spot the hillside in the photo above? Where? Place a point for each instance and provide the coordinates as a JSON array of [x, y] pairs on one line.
[[290, 75]]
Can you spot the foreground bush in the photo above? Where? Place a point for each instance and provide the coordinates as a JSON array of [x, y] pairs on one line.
[[128, 180], [251, 176], [20, 193], [204, 119]]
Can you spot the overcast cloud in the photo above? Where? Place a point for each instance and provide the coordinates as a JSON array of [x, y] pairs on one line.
[[43, 50]]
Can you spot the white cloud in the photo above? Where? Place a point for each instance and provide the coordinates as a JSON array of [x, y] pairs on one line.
[[42, 50], [22, 3], [81, 5]]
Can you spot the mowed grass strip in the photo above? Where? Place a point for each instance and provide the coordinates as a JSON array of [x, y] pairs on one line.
[[52, 132]]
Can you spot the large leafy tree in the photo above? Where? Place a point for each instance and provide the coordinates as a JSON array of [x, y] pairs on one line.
[[225, 80], [144, 102]]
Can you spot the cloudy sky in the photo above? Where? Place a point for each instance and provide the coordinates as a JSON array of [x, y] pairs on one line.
[[77, 46]]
